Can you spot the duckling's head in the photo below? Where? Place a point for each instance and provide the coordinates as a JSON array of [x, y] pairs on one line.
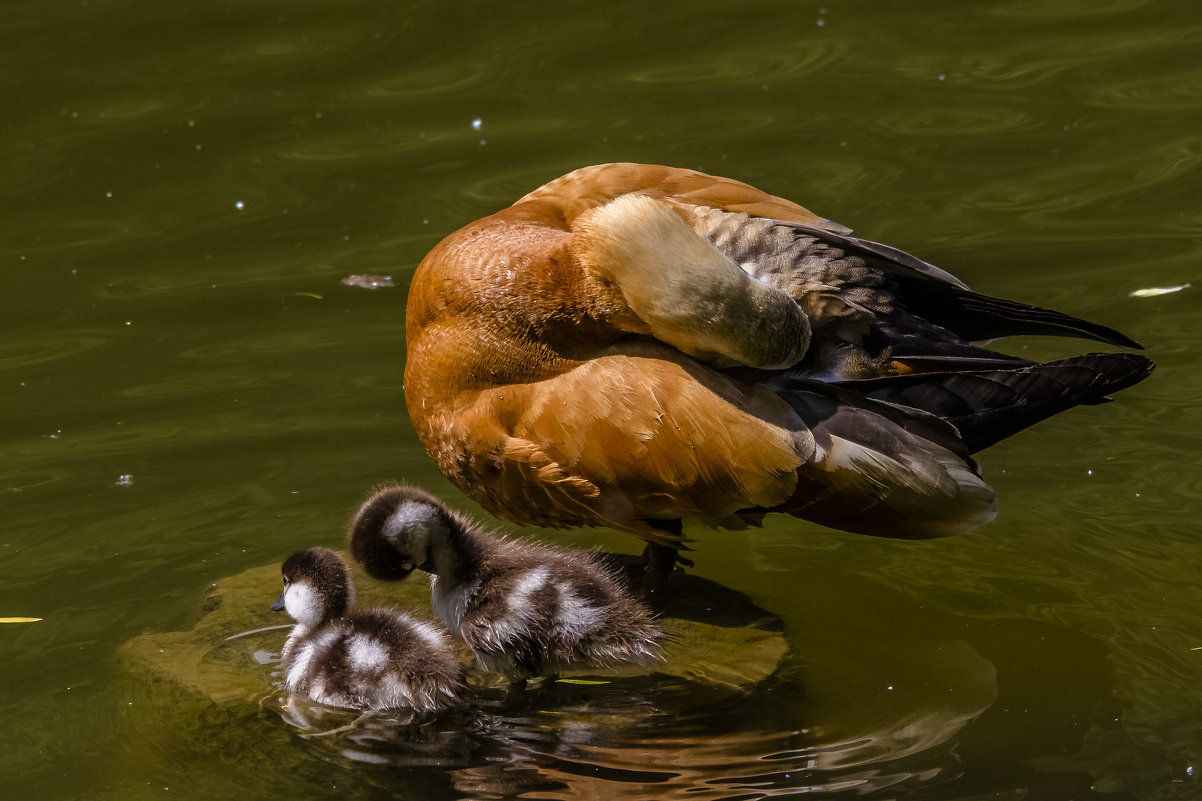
[[317, 587], [396, 529]]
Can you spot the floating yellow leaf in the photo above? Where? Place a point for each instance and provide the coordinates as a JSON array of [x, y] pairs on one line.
[[19, 619], [580, 681], [309, 295]]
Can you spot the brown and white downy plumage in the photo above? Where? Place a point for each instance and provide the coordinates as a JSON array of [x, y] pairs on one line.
[[522, 607], [631, 344], [375, 659]]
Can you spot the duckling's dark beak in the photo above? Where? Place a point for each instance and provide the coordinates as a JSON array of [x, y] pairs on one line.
[[278, 606]]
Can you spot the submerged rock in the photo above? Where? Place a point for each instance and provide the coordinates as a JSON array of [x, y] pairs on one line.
[[719, 640]]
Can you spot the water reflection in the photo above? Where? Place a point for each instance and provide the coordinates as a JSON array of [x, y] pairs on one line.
[[632, 737], [650, 735], [969, 703]]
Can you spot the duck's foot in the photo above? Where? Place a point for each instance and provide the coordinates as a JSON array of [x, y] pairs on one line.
[[516, 690]]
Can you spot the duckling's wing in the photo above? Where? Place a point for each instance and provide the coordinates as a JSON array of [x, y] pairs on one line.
[[506, 623]]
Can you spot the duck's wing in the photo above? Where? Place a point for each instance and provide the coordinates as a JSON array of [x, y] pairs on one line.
[[875, 310], [882, 469]]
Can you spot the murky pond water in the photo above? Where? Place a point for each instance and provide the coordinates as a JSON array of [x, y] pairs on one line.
[[190, 390]]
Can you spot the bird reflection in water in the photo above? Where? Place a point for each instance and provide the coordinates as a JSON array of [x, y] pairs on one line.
[[806, 728]]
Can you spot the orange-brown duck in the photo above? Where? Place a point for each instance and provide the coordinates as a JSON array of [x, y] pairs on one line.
[[630, 345]]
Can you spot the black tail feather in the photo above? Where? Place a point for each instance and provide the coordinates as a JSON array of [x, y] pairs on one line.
[[980, 317]]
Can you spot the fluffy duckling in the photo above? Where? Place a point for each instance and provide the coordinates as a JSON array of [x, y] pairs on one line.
[[632, 344], [371, 660], [523, 608]]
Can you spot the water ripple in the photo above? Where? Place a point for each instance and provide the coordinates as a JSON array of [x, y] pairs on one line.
[[735, 66], [957, 121], [52, 347], [415, 83]]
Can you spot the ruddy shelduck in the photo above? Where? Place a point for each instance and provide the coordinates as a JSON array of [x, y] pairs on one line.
[[630, 345]]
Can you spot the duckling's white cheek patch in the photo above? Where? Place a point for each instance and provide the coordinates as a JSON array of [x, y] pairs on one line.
[[303, 604], [364, 653]]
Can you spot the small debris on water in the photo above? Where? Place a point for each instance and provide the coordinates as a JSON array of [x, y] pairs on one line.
[[1154, 291], [369, 281]]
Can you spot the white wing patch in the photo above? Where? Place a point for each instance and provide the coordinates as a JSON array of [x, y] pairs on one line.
[[300, 667], [365, 653], [527, 584], [575, 618], [429, 633], [514, 625]]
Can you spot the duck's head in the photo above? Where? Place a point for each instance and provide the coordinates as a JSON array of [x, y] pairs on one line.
[[396, 529], [317, 587]]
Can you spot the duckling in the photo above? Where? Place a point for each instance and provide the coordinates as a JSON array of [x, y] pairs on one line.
[[524, 609], [371, 660], [631, 345]]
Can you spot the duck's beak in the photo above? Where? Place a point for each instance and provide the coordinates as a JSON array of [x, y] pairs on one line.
[[278, 606]]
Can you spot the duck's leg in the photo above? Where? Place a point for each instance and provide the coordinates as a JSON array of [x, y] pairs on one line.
[[661, 563]]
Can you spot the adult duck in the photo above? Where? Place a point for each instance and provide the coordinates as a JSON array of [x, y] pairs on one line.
[[630, 345]]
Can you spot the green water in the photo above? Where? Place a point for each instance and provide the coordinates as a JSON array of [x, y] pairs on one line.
[[189, 390]]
